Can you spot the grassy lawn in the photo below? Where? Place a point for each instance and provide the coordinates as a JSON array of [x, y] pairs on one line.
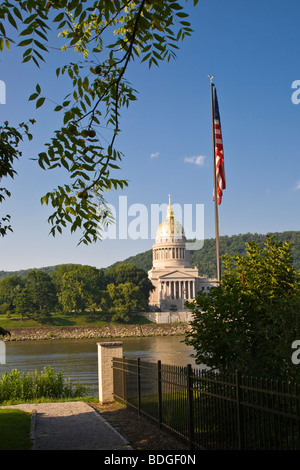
[[65, 320], [15, 430]]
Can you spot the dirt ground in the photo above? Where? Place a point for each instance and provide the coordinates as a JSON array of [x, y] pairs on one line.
[[140, 432]]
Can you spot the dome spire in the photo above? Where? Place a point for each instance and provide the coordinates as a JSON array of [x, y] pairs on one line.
[[170, 214]]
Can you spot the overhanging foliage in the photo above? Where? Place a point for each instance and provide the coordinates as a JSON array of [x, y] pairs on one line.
[[103, 38]]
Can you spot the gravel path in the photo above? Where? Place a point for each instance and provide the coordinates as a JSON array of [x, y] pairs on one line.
[[71, 426]]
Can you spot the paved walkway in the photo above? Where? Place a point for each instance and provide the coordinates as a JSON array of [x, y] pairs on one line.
[[71, 426]]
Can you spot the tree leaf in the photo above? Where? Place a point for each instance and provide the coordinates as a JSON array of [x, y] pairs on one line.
[[40, 102]]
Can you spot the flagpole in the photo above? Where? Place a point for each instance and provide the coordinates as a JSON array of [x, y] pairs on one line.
[[215, 183]]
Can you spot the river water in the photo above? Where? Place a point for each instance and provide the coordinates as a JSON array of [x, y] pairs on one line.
[[78, 359]]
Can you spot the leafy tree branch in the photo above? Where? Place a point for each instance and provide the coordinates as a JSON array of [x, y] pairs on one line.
[[104, 37], [10, 138]]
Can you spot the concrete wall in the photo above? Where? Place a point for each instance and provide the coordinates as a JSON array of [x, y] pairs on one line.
[[169, 317]]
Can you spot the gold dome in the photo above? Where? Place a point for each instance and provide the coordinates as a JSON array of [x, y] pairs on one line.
[[170, 227]]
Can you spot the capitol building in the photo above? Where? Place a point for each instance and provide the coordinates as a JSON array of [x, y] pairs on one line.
[[174, 279]]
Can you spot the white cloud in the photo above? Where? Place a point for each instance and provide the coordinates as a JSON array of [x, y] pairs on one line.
[[297, 186], [199, 160], [154, 155]]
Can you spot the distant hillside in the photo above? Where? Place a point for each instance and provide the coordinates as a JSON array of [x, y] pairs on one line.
[[204, 259], [23, 272], [142, 260]]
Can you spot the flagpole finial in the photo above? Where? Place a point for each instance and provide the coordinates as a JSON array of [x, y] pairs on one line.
[[211, 78]]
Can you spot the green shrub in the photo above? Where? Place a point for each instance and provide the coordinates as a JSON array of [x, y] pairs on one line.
[[34, 385]]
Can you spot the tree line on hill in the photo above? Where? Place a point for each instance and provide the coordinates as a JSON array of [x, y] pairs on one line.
[[205, 258], [119, 291]]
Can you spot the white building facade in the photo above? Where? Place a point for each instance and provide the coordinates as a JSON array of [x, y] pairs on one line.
[[174, 279]]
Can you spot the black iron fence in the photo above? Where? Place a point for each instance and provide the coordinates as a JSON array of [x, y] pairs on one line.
[[209, 410]]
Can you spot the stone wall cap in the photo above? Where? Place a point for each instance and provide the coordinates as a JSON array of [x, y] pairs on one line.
[[110, 343]]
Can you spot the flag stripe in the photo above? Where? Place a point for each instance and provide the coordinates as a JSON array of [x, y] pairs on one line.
[[219, 152]]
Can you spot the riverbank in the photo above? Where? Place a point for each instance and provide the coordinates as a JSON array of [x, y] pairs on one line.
[[89, 332]]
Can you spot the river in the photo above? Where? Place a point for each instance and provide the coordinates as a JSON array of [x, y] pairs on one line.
[[78, 359]]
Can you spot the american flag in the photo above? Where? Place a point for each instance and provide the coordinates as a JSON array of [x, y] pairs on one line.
[[219, 153]]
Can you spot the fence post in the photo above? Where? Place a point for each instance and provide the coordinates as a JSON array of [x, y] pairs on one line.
[[2, 352], [139, 384], [106, 352], [124, 380], [190, 403], [240, 416], [298, 420], [159, 393]]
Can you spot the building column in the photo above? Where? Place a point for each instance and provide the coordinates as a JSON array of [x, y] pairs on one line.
[[191, 289], [164, 290], [159, 292]]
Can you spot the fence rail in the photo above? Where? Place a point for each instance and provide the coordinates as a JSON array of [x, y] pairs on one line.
[[209, 410]]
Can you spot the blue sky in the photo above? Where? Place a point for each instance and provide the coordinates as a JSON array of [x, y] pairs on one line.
[[252, 49]]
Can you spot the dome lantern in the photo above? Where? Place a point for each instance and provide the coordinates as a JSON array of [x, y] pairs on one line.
[[170, 228]]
